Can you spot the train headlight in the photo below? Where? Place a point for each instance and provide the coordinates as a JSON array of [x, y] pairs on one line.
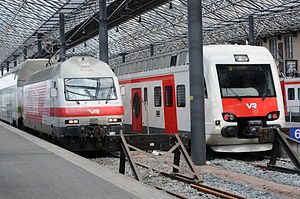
[[241, 58], [229, 117], [273, 115], [112, 120], [71, 121]]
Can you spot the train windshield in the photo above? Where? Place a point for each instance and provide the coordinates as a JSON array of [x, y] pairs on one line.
[[241, 81], [78, 89]]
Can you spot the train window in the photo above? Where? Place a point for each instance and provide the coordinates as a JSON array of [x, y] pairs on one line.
[[82, 89], [145, 95], [298, 93], [244, 81], [288, 44], [291, 94], [181, 96], [173, 60], [168, 96], [157, 96]]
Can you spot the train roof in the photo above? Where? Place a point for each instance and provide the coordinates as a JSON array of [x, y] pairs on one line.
[[223, 53], [213, 54], [87, 65], [74, 67], [230, 48], [26, 68]]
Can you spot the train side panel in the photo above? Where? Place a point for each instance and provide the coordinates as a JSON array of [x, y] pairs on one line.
[[36, 106], [291, 93], [8, 98], [152, 113]]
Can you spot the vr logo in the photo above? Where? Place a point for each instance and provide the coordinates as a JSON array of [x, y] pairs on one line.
[[94, 111], [251, 105]]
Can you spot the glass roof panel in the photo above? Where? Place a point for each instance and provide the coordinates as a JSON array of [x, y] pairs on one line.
[[20, 20], [224, 21]]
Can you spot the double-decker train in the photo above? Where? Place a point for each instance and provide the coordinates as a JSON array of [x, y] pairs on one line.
[[242, 95], [77, 102]]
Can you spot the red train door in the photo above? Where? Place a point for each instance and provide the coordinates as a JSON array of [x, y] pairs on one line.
[[170, 107], [136, 94]]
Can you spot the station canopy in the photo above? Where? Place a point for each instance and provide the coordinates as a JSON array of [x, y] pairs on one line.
[[135, 24]]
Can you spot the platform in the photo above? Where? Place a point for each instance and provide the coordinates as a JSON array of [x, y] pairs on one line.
[[33, 168]]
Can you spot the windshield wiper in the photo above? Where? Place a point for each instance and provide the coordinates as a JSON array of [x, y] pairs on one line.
[[236, 95], [89, 94], [109, 93], [264, 95], [77, 101]]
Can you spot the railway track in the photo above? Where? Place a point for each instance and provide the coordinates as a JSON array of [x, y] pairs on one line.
[[267, 166], [276, 168], [196, 185]]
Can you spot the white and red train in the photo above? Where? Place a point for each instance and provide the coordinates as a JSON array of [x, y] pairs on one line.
[[291, 95], [242, 94], [77, 102]]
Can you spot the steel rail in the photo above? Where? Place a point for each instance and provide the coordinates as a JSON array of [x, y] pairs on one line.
[[171, 193], [196, 185], [271, 167]]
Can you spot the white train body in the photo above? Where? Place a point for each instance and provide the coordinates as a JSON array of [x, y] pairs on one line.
[[156, 95], [11, 89], [77, 102], [291, 95]]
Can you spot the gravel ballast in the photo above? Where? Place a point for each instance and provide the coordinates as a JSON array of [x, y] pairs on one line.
[[155, 179], [248, 169]]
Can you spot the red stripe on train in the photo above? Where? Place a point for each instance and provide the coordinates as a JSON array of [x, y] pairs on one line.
[[87, 111], [288, 83], [147, 79], [78, 112], [250, 107]]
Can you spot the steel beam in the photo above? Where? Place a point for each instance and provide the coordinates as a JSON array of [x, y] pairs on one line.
[[251, 30], [151, 50], [7, 66], [198, 146], [25, 52], [103, 34], [123, 57], [40, 49], [62, 51], [135, 8]]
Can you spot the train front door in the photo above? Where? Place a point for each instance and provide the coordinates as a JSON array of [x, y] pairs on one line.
[[136, 94]]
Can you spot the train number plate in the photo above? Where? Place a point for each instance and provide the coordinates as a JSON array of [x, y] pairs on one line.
[[295, 133], [94, 120]]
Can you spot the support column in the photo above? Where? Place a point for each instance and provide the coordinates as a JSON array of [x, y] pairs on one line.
[[7, 66], [198, 144], [103, 34], [15, 62], [123, 57], [25, 52], [2, 70], [62, 51], [151, 50], [251, 30], [40, 49]]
